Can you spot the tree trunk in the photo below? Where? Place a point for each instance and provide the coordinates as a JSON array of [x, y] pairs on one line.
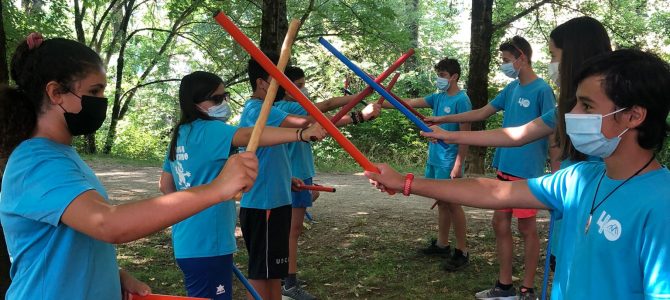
[[482, 30], [478, 80], [4, 70], [111, 133], [122, 100], [412, 7], [273, 25], [79, 12]]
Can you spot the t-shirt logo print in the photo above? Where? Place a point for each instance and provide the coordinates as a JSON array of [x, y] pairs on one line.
[[179, 169], [524, 102], [447, 110], [610, 227], [220, 289]]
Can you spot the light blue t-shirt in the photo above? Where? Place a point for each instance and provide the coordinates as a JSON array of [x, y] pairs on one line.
[[442, 105], [626, 252], [273, 185], [201, 152], [299, 153], [50, 260], [549, 118], [522, 104]]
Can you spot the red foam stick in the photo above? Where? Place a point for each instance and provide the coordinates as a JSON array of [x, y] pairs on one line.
[[165, 297], [368, 90], [317, 188], [288, 85], [389, 87]]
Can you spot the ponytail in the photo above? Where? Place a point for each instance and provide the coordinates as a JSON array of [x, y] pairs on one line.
[[18, 119]]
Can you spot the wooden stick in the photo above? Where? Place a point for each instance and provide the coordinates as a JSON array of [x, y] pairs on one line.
[[272, 90]]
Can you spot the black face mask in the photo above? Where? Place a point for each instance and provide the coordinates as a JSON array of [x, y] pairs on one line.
[[90, 118]]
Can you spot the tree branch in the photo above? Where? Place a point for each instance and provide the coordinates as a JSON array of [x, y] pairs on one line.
[[304, 17], [520, 15], [133, 89]]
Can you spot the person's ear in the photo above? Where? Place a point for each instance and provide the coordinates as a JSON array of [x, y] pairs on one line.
[[260, 83], [635, 116], [454, 77], [55, 92]]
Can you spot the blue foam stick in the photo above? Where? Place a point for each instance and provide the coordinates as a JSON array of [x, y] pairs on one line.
[[246, 283], [378, 88]]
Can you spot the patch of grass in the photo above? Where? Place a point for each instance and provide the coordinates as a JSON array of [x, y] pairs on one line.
[[356, 257]]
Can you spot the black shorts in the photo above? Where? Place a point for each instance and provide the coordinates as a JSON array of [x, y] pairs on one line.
[[266, 241]]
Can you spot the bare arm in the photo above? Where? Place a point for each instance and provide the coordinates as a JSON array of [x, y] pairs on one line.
[[479, 114], [276, 135], [457, 171], [166, 183], [91, 215], [334, 102], [500, 137], [554, 154], [415, 102], [476, 192]]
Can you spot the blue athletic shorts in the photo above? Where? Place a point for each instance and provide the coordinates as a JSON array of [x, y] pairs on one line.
[[208, 277], [435, 172], [302, 199]]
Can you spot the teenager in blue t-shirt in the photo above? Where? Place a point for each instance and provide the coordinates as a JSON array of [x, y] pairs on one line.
[[524, 99], [447, 163], [265, 213], [201, 143], [302, 167], [570, 44], [614, 242], [57, 220]]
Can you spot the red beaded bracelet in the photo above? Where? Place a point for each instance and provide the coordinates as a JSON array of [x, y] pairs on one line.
[[408, 184]]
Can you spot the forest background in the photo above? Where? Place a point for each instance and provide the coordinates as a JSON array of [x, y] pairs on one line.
[[149, 45]]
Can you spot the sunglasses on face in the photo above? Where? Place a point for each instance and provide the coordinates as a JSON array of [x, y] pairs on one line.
[[219, 98]]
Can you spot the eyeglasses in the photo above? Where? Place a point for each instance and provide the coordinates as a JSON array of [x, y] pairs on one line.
[[219, 98]]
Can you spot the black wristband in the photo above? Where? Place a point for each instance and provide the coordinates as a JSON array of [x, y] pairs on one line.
[[300, 135], [360, 117], [354, 117]]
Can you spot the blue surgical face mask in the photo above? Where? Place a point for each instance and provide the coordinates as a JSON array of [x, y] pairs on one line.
[[509, 70], [586, 137], [442, 84], [305, 91], [554, 73], [220, 112]]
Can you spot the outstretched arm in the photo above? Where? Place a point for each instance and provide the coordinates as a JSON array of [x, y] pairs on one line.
[[415, 102], [88, 213], [335, 102], [479, 114], [500, 137], [277, 135], [476, 192]]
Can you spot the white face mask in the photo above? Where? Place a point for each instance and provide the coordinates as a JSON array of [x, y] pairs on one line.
[[442, 84], [554, 74], [305, 91], [509, 70], [586, 136], [220, 112]]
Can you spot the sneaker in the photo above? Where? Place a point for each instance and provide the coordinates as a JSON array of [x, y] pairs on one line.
[[527, 295], [434, 250], [456, 262], [300, 282], [496, 293], [296, 293]]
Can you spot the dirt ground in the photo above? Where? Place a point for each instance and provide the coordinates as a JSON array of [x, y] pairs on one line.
[[354, 196]]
